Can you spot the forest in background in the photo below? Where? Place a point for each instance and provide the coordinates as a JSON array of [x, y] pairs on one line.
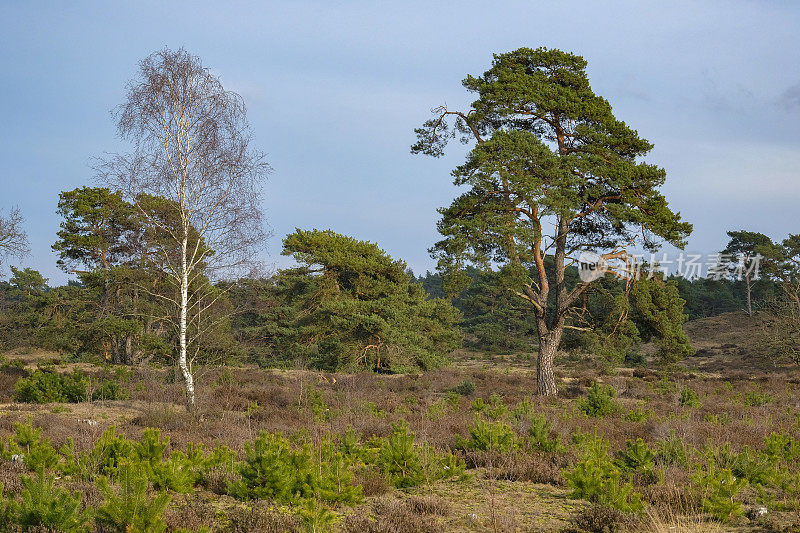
[[99, 317]]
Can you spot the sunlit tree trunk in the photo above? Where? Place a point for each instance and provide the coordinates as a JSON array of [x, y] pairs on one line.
[[183, 362], [548, 346]]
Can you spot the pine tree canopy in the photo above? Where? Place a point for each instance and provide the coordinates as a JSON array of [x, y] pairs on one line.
[[349, 305], [546, 147]]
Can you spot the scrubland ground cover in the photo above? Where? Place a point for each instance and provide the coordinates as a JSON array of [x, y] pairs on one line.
[[708, 446]]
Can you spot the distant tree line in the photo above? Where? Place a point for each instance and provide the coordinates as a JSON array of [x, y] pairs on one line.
[[614, 318], [754, 275], [347, 306]]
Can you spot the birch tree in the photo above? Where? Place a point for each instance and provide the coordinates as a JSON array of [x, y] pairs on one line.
[[13, 239], [191, 148]]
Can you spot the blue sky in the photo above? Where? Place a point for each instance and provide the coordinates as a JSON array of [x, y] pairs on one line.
[[335, 89]]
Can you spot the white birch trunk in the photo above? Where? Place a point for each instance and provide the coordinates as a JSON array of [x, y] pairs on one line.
[[182, 359]]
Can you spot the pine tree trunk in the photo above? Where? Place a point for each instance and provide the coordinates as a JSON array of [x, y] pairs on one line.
[[128, 349], [548, 346], [114, 351], [182, 359]]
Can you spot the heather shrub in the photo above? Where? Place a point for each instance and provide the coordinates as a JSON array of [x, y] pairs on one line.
[[601, 519]]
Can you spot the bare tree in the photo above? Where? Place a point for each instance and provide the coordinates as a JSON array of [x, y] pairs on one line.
[[13, 239], [192, 148]]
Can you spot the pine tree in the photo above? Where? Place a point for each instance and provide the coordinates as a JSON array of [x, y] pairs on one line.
[[551, 171], [349, 306]]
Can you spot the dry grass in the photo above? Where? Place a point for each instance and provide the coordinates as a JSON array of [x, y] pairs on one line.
[[661, 521], [507, 492]]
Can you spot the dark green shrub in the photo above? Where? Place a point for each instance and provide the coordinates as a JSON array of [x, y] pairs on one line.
[[780, 447], [635, 359], [333, 481], [523, 410], [110, 451], [399, 458], [316, 516], [689, 398], [486, 436], [756, 468], [438, 465], [600, 401], [756, 399], [637, 460], [494, 408], [597, 479], [637, 415], [47, 506], [637, 455], [465, 388], [176, 473], [8, 511], [672, 451], [478, 405], [110, 390], [273, 469], [45, 386], [719, 488], [220, 459], [36, 451], [539, 434]]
